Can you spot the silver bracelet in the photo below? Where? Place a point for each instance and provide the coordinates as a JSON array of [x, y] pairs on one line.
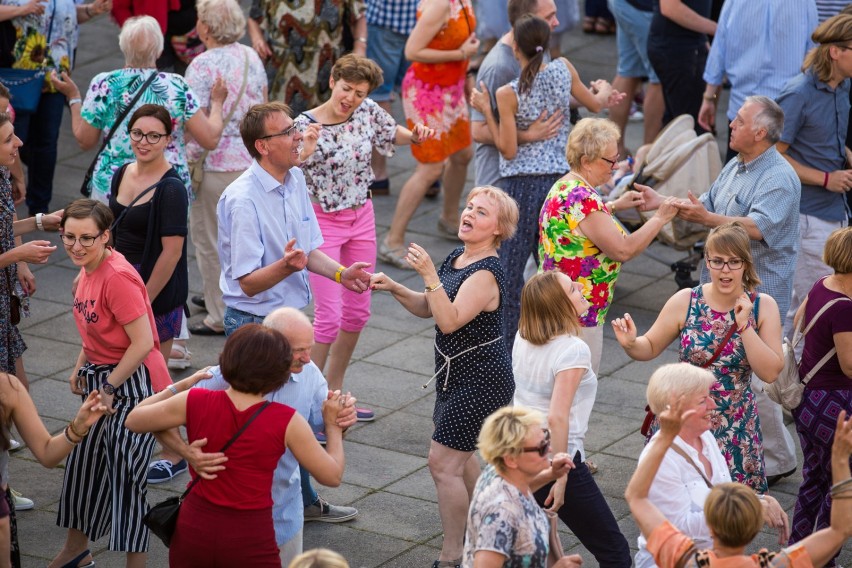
[[173, 389], [74, 101], [39, 224]]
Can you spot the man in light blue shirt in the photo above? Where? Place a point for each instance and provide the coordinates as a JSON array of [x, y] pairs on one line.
[[268, 233], [759, 45], [760, 190], [305, 391]]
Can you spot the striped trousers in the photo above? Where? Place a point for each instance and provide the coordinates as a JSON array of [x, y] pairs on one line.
[[816, 419], [105, 486]]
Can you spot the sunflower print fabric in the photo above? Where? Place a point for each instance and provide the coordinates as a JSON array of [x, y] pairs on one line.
[[564, 248], [31, 49]]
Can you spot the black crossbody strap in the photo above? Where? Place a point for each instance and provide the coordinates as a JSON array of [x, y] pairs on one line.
[[228, 444], [118, 122]]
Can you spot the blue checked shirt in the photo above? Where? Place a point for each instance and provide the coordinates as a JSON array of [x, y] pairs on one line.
[[396, 15], [305, 392], [759, 45], [767, 190]]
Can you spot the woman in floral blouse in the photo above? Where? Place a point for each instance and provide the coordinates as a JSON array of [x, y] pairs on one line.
[[703, 318], [338, 175], [46, 38], [141, 41], [579, 234]]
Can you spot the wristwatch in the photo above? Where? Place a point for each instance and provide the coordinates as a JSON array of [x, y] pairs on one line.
[[108, 388]]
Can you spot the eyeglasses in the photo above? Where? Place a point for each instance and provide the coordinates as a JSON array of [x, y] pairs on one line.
[[152, 137], [612, 163], [85, 241], [718, 263], [289, 132], [543, 446]]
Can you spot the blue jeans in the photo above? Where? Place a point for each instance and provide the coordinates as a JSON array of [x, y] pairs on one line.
[[387, 49], [39, 131], [309, 494], [587, 514], [235, 319]]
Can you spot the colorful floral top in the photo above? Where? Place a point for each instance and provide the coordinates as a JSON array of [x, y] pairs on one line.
[[563, 247], [229, 62], [31, 50], [339, 173], [109, 93], [504, 520]]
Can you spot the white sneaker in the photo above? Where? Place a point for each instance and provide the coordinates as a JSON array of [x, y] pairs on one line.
[[21, 502], [14, 445]]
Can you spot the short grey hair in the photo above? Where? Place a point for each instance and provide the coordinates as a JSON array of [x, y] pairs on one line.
[[224, 18], [141, 41], [770, 117], [674, 380], [281, 319]]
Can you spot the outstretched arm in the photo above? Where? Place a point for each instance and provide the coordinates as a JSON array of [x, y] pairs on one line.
[[664, 330]]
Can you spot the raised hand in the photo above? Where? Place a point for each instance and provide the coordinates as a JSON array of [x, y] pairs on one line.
[[742, 310], [625, 331], [294, 258]]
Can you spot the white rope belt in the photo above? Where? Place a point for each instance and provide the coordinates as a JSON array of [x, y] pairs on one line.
[[448, 360]]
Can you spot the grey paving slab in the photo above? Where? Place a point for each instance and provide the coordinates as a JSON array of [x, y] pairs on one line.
[[399, 431], [373, 550]]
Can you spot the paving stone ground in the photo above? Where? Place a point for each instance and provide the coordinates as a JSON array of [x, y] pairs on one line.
[[386, 476]]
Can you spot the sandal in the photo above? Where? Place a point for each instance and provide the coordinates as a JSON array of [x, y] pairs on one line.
[[75, 562], [447, 230], [593, 467], [393, 256], [589, 25], [180, 358], [604, 26]]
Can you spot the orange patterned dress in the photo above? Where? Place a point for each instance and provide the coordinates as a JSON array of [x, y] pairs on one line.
[[433, 93]]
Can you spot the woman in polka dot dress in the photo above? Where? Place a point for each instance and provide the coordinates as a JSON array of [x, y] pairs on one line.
[[473, 372]]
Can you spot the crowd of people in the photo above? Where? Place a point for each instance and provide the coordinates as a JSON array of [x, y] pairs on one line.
[[269, 157]]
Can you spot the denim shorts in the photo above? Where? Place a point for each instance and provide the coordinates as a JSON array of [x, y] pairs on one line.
[[387, 49], [632, 40], [234, 319]]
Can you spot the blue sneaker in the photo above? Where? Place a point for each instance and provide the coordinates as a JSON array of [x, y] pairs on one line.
[[321, 438], [161, 471], [365, 414]]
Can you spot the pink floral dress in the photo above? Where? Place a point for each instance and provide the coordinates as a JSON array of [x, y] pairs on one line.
[[433, 93], [736, 424]]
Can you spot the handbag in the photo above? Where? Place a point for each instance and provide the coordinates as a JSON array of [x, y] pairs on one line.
[[25, 85], [14, 300], [162, 518], [84, 189], [196, 168], [649, 416], [787, 389], [555, 552]]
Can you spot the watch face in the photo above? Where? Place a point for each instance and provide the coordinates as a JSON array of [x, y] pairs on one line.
[[108, 388]]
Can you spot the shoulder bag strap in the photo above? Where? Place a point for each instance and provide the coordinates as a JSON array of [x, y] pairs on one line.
[[118, 122], [725, 340], [228, 444], [132, 203], [833, 350], [685, 456], [228, 118]]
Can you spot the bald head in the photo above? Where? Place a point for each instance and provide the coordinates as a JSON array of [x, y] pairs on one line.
[[299, 331]]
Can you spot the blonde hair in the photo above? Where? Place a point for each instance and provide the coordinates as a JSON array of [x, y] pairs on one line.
[[733, 513], [507, 210], [224, 18], [503, 434], [838, 251], [732, 239], [141, 41], [546, 311], [319, 558], [589, 138], [675, 380], [834, 31]]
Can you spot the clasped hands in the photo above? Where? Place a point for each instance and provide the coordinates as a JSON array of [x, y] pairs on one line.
[[354, 278]]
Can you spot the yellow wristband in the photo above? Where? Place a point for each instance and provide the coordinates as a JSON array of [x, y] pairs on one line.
[[338, 274]]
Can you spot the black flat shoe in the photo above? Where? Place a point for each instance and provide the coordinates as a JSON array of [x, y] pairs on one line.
[[199, 301], [773, 479], [202, 328]]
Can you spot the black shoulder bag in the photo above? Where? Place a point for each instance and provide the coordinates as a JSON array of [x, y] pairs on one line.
[[162, 517], [84, 189]]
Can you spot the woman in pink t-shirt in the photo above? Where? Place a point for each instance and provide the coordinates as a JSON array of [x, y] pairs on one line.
[[121, 359]]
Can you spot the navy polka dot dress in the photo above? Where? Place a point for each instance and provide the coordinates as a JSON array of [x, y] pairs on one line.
[[478, 380]]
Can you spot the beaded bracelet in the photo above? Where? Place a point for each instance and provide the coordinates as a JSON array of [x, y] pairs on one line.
[[68, 438], [76, 433]]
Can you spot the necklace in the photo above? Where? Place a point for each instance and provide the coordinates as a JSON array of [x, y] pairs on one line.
[[582, 179]]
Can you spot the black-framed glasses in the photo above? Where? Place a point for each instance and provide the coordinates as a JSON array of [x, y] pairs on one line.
[[543, 446], [719, 264], [85, 241], [152, 137], [289, 132], [612, 163]]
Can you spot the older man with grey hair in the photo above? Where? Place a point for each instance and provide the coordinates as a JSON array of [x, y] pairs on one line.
[[759, 189]]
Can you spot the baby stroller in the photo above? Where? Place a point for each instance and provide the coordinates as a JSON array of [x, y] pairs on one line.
[[678, 161]]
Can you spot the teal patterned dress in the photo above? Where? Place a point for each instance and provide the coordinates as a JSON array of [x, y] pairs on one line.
[[736, 424]]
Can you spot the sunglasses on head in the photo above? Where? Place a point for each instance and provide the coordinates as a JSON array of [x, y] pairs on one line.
[[543, 446]]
